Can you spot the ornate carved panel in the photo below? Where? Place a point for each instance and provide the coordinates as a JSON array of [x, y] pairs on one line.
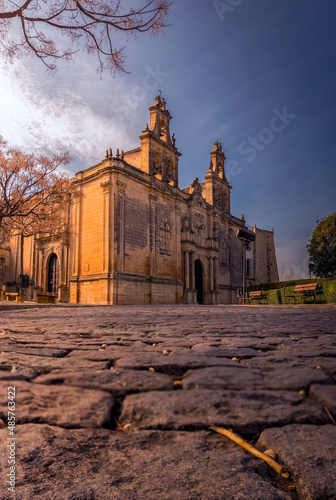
[[199, 228], [164, 237]]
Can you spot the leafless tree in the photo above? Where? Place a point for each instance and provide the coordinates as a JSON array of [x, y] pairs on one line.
[[32, 191], [93, 24], [293, 272]]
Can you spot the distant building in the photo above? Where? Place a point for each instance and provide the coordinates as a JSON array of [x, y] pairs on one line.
[[134, 237]]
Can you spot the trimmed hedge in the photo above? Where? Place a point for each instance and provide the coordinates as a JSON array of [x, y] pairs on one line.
[[276, 292]]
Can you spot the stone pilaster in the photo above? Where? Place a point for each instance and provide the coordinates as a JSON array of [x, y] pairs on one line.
[[211, 274], [121, 187], [152, 245], [106, 186], [186, 271]]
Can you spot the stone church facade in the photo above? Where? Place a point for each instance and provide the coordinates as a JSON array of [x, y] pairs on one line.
[[135, 237]]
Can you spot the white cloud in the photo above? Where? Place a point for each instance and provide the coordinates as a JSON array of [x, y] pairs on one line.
[[44, 115]]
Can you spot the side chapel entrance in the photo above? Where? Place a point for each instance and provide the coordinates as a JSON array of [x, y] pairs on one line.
[[199, 281], [53, 274]]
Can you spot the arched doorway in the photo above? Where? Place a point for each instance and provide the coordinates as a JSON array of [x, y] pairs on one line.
[[199, 281], [53, 274]]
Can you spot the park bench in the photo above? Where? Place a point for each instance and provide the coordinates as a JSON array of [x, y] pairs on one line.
[[257, 295], [303, 291], [46, 298], [12, 296]]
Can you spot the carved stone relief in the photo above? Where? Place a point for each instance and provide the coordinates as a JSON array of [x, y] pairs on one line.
[[164, 237]]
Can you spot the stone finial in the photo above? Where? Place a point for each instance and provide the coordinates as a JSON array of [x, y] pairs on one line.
[[110, 153], [217, 146], [106, 155], [147, 128], [117, 153], [122, 154], [242, 217]]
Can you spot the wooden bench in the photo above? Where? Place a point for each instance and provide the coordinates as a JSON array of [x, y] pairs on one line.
[[12, 296], [46, 298], [257, 295], [303, 291]]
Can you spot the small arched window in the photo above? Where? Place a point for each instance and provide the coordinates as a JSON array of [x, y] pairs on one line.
[[163, 131], [219, 200], [170, 172], [158, 165]]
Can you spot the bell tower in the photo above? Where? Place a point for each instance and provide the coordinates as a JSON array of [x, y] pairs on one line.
[[217, 160], [159, 155], [160, 120], [217, 189]]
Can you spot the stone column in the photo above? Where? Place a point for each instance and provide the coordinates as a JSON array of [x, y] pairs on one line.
[[152, 210], [186, 270], [178, 252], [44, 272], [77, 232], [39, 268], [215, 274], [37, 271], [121, 198], [106, 225], [176, 172], [211, 274], [164, 168], [192, 270], [66, 270], [35, 264]]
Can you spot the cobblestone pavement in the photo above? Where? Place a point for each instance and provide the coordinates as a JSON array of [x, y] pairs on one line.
[[116, 402]]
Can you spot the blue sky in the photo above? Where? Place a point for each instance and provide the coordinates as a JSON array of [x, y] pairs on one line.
[[226, 74]]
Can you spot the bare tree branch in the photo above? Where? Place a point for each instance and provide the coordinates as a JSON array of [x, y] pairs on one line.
[[90, 25]]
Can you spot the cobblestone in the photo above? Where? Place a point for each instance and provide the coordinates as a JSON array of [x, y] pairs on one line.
[[118, 382], [309, 453], [116, 402], [326, 396], [246, 412], [57, 405]]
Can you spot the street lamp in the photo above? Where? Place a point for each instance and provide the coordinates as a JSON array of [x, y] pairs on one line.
[[246, 237]]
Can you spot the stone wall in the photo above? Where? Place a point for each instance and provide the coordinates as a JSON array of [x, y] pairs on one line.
[[265, 263]]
